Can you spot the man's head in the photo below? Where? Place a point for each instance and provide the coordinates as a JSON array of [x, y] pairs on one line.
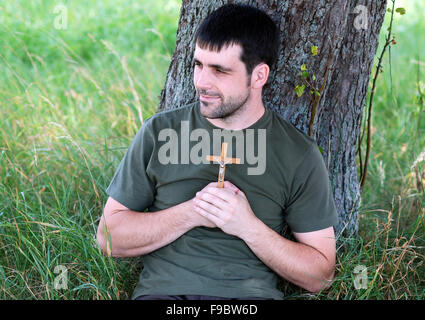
[[243, 25], [235, 47]]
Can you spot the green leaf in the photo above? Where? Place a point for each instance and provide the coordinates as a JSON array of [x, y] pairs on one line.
[[304, 75], [317, 93], [303, 67], [321, 150], [314, 50], [314, 77], [421, 86], [400, 10], [299, 90]]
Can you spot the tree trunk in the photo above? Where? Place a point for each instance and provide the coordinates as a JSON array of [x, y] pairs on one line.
[[346, 34]]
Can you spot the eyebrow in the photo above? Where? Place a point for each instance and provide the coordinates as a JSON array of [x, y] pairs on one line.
[[216, 66]]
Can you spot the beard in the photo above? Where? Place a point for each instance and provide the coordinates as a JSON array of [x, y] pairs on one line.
[[224, 108]]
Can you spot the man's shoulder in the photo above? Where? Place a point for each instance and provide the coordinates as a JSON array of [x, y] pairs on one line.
[[292, 137], [167, 118]]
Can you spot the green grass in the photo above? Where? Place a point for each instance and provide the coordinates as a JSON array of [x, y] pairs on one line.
[[68, 111], [70, 102]]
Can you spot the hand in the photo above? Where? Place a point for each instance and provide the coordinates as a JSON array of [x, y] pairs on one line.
[[228, 208], [199, 220]]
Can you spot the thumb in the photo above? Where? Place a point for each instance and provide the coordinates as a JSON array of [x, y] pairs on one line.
[[228, 184]]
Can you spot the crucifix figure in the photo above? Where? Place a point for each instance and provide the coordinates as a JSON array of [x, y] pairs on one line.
[[222, 161]]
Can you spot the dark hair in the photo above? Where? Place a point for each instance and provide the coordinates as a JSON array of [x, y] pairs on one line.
[[244, 25]]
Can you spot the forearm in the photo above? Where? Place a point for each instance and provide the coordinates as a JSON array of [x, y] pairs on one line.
[[133, 233], [296, 262]]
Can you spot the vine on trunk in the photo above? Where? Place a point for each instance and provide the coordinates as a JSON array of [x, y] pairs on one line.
[[390, 40]]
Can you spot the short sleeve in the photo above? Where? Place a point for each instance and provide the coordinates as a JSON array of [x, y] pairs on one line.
[[131, 185], [311, 205]]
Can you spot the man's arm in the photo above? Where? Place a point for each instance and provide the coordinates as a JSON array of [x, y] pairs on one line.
[[126, 233], [309, 263]]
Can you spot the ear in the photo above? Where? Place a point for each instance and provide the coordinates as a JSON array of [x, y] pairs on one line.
[[259, 76]]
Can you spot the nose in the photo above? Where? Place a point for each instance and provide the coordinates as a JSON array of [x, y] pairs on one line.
[[202, 79]]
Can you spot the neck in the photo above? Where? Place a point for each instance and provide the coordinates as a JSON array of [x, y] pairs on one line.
[[246, 116]]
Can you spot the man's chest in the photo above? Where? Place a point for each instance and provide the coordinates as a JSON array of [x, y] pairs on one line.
[[177, 183]]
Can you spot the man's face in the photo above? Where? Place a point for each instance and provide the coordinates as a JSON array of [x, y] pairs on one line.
[[221, 81]]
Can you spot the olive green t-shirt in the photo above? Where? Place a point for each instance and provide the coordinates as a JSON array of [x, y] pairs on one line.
[[281, 172]]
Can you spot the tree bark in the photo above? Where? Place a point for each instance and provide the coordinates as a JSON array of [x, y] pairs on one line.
[[346, 44]]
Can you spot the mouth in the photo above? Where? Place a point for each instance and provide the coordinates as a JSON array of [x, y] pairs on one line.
[[206, 98]]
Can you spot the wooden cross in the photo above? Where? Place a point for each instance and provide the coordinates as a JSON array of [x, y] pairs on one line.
[[223, 160]]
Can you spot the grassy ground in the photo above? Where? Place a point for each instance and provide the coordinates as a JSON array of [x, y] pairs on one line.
[[71, 100]]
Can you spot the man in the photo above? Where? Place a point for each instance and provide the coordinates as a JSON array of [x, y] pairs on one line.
[[201, 241]]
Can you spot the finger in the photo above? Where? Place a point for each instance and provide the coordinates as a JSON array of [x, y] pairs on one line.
[[212, 184], [214, 200], [209, 185], [222, 193], [210, 208], [229, 185], [226, 184], [208, 215]]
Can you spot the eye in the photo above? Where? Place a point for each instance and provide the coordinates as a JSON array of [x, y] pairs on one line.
[[220, 71]]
